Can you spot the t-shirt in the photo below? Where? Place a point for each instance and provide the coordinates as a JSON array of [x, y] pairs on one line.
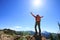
[[38, 18]]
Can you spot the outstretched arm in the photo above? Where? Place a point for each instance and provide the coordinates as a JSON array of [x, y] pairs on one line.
[[32, 14], [41, 16]]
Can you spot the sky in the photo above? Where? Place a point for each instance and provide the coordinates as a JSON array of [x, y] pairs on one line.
[[15, 14]]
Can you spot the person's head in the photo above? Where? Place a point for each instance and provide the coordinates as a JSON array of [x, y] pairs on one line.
[[37, 15]]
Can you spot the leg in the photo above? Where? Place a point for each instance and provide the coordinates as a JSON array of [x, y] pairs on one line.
[[40, 33], [35, 28], [39, 27], [39, 30]]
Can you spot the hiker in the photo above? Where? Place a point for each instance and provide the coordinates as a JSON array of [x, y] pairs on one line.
[[37, 22]]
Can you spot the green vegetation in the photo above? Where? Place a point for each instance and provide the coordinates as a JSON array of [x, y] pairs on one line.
[[54, 36], [22, 33]]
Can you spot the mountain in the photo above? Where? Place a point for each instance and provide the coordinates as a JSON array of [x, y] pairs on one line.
[[46, 34], [31, 32]]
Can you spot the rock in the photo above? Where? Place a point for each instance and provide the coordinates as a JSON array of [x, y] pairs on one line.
[[6, 37], [37, 37]]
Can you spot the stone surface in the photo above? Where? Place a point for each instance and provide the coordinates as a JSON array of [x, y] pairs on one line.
[[37, 37], [6, 37]]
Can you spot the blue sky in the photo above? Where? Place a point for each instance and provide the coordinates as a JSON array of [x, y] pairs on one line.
[[15, 14]]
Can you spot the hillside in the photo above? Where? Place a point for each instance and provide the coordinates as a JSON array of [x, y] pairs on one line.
[[48, 35]]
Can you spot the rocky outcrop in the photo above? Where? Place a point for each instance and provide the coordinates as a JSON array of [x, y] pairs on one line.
[[6, 37], [33, 38]]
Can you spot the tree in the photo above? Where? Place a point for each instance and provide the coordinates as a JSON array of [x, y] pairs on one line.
[[51, 37]]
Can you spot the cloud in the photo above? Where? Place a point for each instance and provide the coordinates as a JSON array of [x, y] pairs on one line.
[[19, 28]]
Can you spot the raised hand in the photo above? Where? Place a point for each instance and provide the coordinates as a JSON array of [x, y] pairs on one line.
[[32, 14]]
